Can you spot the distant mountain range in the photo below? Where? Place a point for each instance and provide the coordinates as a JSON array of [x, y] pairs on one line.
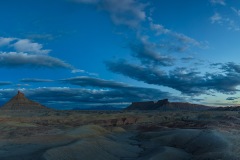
[[166, 105]]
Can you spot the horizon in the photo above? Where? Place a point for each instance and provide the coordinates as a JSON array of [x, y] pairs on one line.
[[110, 107], [86, 53]]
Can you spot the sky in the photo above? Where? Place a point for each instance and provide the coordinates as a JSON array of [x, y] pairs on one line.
[[85, 53]]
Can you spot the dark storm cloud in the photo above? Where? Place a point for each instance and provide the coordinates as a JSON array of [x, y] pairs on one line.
[[35, 80], [188, 81]]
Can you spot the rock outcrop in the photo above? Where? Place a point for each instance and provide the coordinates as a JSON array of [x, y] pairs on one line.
[[20, 102], [141, 105], [165, 105]]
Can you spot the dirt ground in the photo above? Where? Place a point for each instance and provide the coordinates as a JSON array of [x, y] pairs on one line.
[[119, 135]]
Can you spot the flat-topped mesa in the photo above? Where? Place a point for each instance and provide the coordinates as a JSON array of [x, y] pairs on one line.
[[141, 105], [20, 102], [163, 102], [165, 105]]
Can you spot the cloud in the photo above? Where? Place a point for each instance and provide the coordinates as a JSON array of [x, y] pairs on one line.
[[179, 79], [187, 59], [178, 37], [187, 81], [83, 71], [237, 11], [5, 41], [125, 12], [23, 85], [232, 98], [225, 21], [78, 97], [14, 59], [29, 54], [131, 13], [108, 92], [231, 24], [100, 92], [154, 55], [118, 87], [160, 29], [185, 39], [25, 45], [216, 18], [41, 37], [77, 71], [173, 41], [94, 82], [3, 83], [35, 80], [148, 54], [221, 2], [230, 67]]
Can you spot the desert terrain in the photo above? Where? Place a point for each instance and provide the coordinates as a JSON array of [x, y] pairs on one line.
[[123, 135], [120, 80]]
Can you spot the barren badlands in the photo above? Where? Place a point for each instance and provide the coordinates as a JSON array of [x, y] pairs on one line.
[[123, 135], [30, 131]]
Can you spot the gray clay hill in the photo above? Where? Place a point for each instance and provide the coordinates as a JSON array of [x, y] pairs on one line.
[[20, 102]]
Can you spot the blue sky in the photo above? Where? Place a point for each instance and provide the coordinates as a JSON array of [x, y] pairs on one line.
[[84, 53]]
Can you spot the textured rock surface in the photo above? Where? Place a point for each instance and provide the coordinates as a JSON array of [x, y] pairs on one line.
[[125, 135], [20, 102], [141, 105]]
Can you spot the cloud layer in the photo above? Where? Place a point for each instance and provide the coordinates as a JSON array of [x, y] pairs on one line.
[[15, 59], [148, 54], [26, 53], [221, 2], [125, 12], [78, 97], [187, 81], [35, 80], [86, 91], [3, 83]]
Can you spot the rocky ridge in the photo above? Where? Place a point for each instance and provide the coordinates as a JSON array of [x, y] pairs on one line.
[[165, 105]]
